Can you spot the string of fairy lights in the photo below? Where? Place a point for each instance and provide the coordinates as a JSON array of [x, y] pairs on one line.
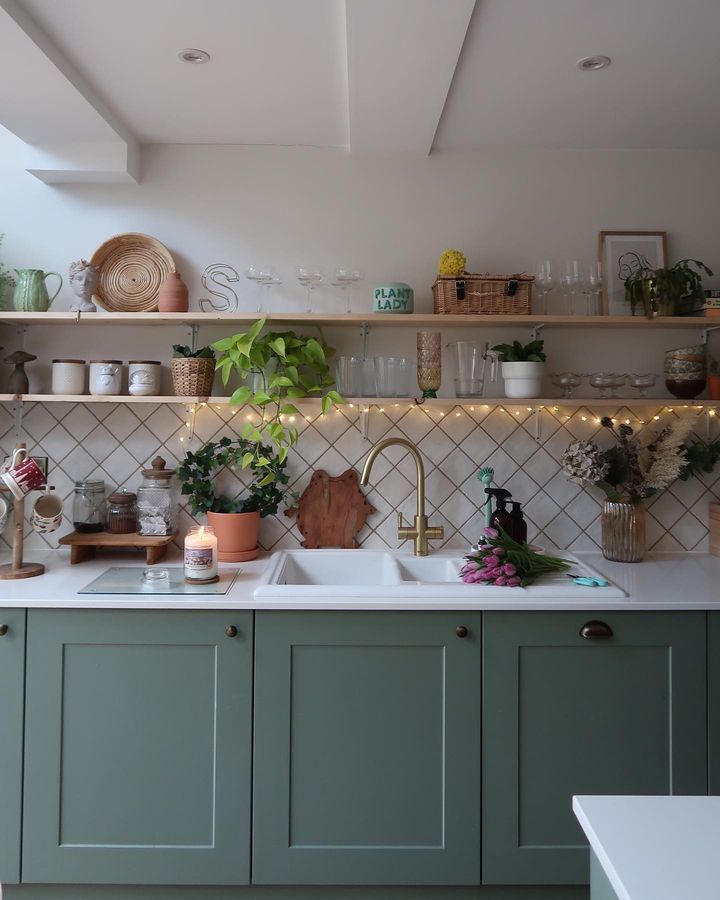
[[439, 409]]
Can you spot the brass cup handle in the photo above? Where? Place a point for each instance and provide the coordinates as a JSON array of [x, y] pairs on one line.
[[3, 630], [596, 629], [461, 631], [231, 631]]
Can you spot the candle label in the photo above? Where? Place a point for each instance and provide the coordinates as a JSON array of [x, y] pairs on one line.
[[198, 559]]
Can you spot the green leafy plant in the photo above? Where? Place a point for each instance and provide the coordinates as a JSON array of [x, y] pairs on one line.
[[668, 290], [700, 458], [287, 367], [516, 352], [196, 471], [182, 351], [6, 280]]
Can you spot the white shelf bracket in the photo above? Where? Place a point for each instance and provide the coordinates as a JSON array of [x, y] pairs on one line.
[[190, 412], [706, 331], [365, 337], [535, 330], [18, 417], [365, 422], [193, 331], [537, 424]]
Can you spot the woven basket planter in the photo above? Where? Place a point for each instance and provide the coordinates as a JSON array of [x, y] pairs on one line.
[[192, 377]]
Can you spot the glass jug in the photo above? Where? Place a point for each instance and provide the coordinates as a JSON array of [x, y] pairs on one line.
[[470, 360]]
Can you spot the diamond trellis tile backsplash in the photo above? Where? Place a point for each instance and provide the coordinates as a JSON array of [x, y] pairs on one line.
[[114, 443]]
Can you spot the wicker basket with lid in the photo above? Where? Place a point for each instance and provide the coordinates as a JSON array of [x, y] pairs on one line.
[[483, 294]]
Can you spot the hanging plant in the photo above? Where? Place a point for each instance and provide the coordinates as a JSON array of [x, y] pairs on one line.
[[196, 471], [286, 367]]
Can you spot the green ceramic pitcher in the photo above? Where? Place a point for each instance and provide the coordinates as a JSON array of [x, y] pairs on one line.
[[31, 294]]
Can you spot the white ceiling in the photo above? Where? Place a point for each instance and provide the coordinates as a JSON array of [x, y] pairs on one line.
[[517, 84], [368, 75]]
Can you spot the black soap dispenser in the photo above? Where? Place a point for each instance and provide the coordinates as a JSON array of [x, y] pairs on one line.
[[500, 518], [518, 525]]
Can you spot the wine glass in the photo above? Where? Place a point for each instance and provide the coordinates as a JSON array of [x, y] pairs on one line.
[[545, 284], [642, 383], [607, 383], [345, 278], [567, 381], [260, 276], [571, 282], [593, 287], [309, 277]]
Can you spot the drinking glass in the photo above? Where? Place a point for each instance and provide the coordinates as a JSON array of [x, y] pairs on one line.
[[260, 276], [567, 381], [643, 383], [607, 383], [571, 286], [349, 375], [309, 277], [345, 278], [594, 286], [545, 285], [392, 376]]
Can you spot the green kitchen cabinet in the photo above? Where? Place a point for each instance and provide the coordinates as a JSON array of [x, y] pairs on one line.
[[12, 686], [367, 748], [138, 747], [581, 703], [713, 703]]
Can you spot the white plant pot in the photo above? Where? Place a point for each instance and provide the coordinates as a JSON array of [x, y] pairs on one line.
[[523, 380]]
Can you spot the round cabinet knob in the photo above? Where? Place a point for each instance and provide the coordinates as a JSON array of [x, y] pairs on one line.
[[595, 630], [3, 630], [231, 631], [461, 631]]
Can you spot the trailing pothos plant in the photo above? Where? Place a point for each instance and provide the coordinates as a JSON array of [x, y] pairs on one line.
[[282, 367], [195, 474]]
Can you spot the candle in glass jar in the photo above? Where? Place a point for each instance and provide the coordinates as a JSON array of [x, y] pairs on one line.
[[201, 554]]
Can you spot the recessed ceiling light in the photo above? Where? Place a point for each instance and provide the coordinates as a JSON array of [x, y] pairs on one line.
[[591, 63], [192, 55]]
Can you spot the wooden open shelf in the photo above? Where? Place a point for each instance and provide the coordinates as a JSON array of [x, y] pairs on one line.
[[379, 320], [384, 402]]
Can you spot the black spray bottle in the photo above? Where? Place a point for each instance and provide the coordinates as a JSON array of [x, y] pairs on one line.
[[500, 518], [518, 525]]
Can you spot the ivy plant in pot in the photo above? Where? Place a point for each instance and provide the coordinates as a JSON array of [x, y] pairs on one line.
[[278, 368], [522, 369], [236, 520]]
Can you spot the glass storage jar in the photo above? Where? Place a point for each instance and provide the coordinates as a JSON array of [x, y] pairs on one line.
[[157, 500], [89, 506], [121, 515]]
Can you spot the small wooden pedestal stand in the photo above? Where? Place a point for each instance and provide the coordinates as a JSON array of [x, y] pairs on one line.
[[17, 568]]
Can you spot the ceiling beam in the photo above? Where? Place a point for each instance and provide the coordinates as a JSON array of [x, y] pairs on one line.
[[70, 132], [402, 56]]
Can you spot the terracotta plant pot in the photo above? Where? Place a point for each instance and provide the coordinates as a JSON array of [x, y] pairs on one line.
[[237, 535], [173, 294], [713, 382]]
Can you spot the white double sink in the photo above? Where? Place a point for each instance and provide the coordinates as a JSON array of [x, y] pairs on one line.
[[371, 575]]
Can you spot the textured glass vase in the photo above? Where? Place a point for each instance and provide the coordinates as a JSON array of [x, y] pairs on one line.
[[623, 531]]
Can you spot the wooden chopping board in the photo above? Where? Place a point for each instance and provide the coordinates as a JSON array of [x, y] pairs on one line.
[[332, 511]]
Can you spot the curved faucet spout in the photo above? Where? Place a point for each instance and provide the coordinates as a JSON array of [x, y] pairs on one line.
[[419, 467], [421, 532]]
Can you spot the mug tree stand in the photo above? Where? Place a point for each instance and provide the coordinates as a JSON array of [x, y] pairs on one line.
[[18, 568]]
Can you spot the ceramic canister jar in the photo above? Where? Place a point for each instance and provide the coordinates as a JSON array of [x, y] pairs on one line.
[[68, 376], [105, 376], [144, 377], [686, 371], [173, 294]]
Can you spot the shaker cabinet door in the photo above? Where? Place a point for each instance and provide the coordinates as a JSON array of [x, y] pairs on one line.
[[714, 703], [12, 680], [138, 747], [367, 748], [620, 711]]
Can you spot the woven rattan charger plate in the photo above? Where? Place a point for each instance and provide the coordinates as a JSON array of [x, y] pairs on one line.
[[132, 268]]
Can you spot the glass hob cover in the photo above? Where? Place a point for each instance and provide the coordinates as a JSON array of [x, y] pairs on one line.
[[134, 580]]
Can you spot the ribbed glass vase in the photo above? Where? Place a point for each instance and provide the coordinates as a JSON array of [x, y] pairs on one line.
[[623, 531]]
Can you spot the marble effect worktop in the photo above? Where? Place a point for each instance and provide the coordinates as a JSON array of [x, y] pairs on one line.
[[674, 581]]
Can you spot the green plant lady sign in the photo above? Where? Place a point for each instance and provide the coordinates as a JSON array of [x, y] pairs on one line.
[[394, 297]]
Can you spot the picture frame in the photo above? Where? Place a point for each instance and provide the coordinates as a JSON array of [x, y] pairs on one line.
[[613, 245]]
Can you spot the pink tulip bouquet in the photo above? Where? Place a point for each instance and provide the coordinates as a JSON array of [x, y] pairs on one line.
[[505, 563]]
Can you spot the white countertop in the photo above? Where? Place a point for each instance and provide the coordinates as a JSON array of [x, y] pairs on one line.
[[655, 848], [681, 581]]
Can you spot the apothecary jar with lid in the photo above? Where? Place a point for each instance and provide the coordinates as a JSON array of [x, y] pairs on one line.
[[89, 506], [157, 500]]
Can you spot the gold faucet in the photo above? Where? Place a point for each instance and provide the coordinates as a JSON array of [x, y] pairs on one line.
[[421, 532]]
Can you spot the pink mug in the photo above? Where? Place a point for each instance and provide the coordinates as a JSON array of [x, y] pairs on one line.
[[22, 475]]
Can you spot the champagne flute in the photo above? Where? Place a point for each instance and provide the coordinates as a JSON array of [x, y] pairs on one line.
[[309, 277]]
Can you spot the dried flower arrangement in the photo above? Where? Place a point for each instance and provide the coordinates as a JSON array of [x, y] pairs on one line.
[[636, 466]]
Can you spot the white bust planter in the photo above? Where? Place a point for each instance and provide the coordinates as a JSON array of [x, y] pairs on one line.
[[523, 380]]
